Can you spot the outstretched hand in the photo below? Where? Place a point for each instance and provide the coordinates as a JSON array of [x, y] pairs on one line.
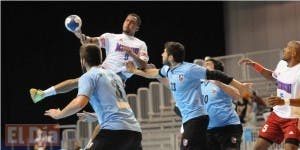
[[127, 50], [53, 113], [150, 66], [130, 66], [245, 90], [274, 100], [246, 61], [83, 38], [248, 85]]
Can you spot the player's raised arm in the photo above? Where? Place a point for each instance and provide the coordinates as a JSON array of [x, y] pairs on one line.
[[147, 73], [73, 107], [267, 73], [220, 76], [73, 24], [86, 39]]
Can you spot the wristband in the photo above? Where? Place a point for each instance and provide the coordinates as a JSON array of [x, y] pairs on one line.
[[287, 101], [258, 67]]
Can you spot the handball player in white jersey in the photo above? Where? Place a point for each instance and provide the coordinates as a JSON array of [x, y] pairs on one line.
[[283, 122], [119, 48]]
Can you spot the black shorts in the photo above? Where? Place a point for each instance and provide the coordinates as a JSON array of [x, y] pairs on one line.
[[194, 136], [223, 138], [117, 140]]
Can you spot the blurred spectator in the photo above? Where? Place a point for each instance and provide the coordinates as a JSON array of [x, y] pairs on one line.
[[244, 109], [260, 103], [40, 142]]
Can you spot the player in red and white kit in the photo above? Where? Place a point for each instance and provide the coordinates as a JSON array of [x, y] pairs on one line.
[[283, 122], [119, 48]]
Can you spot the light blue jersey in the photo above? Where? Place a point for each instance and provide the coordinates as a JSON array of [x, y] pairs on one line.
[[186, 90], [218, 105], [108, 99]]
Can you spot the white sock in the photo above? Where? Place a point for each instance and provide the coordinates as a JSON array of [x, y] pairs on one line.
[[50, 91]]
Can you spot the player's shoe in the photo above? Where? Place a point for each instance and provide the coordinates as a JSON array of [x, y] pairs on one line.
[[36, 95]]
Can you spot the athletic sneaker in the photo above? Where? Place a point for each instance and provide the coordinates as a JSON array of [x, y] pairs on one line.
[[36, 95]]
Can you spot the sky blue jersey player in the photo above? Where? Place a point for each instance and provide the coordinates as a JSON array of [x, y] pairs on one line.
[[184, 82], [224, 128], [104, 90], [108, 99]]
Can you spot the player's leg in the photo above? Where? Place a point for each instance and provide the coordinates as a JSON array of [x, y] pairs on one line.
[[262, 144], [212, 141], [291, 144], [134, 140], [117, 140], [194, 136], [63, 87], [270, 132], [291, 134], [103, 140], [230, 137]]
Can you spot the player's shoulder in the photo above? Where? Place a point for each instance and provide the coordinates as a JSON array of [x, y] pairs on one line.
[[93, 71], [86, 76], [191, 68], [190, 65], [184, 68], [298, 70], [139, 41], [107, 34], [165, 68], [282, 62]]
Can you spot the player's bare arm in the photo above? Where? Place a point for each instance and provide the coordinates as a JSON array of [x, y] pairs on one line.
[[274, 100], [73, 107], [267, 73], [141, 63], [147, 73], [231, 91], [88, 40]]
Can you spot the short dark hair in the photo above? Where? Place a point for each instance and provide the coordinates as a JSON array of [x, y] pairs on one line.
[[138, 18], [91, 53], [218, 65], [175, 49]]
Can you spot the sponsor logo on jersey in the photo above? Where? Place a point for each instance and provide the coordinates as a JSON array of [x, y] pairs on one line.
[[119, 48], [284, 86]]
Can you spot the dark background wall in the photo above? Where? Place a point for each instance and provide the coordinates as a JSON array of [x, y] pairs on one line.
[[37, 50]]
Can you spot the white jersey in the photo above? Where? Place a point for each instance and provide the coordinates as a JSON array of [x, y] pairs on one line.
[[288, 86], [116, 57]]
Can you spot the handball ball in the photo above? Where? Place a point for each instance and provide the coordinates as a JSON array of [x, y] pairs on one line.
[[73, 23]]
